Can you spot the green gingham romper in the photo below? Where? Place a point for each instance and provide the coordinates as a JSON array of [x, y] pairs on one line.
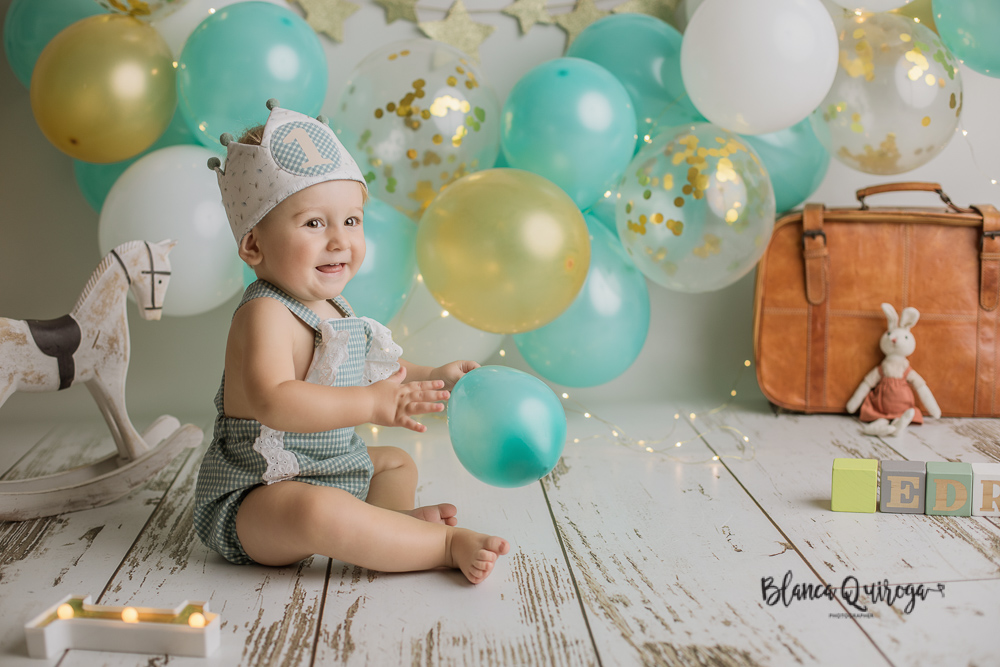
[[244, 453]]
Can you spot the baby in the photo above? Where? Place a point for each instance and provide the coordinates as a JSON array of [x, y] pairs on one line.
[[286, 476]]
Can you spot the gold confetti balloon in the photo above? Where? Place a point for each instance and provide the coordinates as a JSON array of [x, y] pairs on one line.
[[103, 90], [503, 250], [417, 115], [896, 99], [695, 208]]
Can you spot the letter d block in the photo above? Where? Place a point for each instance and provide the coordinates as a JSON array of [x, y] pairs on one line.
[[986, 489], [949, 489], [855, 485], [902, 488]]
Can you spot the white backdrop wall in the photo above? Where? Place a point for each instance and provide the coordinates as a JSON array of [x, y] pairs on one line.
[[696, 343]]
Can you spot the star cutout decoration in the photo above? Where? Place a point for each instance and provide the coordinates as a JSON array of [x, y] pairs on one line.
[[328, 16], [399, 9], [459, 30], [528, 13], [584, 13], [661, 9]]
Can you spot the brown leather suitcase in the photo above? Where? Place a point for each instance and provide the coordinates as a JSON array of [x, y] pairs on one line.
[[825, 274]]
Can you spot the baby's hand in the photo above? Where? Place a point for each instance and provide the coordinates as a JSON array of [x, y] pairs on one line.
[[395, 401], [453, 372]]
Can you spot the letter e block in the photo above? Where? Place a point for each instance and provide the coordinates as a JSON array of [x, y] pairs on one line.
[[949, 489], [902, 487], [855, 485], [986, 489]]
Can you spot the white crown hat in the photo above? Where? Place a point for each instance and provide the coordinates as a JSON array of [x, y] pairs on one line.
[[296, 151]]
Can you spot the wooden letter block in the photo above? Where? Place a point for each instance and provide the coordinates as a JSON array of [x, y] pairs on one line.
[[949, 489], [855, 485], [986, 489], [902, 487]]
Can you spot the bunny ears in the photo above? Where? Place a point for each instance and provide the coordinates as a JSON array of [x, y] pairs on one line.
[[910, 317], [296, 151]]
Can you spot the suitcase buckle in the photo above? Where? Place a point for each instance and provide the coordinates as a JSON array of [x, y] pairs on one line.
[[812, 233]]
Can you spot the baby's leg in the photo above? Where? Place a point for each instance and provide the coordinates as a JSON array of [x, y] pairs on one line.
[[286, 522], [394, 483]]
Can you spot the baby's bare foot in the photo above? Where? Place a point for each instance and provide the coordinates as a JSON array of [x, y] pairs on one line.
[[475, 554], [445, 513]]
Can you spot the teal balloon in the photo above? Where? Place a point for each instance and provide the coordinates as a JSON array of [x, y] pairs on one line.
[[31, 24], [795, 160], [241, 56], [571, 121], [598, 337], [95, 180], [604, 210], [386, 276], [506, 426], [969, 28], [649, 68]]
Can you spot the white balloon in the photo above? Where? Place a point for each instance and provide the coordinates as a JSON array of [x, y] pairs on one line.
[[429, 339], [180, 23], [171, 193], [758, 67], [872, 5]]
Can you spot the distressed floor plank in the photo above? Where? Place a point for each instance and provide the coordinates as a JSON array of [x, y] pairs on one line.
[[269, 615], [790, 478], [44, 559], [526, 613], [670, 558]]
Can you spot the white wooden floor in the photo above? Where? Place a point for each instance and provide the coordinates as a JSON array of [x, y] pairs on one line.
[[620, 557]]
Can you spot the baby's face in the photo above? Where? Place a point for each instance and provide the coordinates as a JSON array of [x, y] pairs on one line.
[[313, 242]]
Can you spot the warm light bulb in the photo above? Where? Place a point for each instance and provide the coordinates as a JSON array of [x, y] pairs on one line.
[[677, 445], [732, 393], [746, 439], [374, 429], [715, 458], [607, 194], [692, 415], [130, 615], [445, 313], [196, 620], [677, 415], [565, 395], [649, 449], [576, 440], [65, 612], [420, 278], [587, 415], [174, 64], [614, 433], [747, 363], [965, 133], [503, 353], [642, 442]]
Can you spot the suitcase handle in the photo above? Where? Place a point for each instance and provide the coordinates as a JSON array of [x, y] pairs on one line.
[[908, 186]]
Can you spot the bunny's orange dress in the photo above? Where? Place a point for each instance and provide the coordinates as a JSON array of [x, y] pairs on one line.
[[890, 398]]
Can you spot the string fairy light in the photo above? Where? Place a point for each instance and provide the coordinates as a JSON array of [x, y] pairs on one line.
[[619, 436]]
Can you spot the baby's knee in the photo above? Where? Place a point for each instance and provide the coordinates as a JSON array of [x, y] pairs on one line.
[[392, 458]]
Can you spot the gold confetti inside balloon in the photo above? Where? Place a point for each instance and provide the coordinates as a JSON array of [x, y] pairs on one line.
[[503, 250], [147, 10], [417, 115], [896, 99], [695, 208], [103, 90]]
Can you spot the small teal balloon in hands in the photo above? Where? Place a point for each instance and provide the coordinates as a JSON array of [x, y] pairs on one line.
[[507, 427]]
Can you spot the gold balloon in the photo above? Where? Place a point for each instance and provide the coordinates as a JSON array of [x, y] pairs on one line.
[[503, 250], [920, 11], [103, 90]]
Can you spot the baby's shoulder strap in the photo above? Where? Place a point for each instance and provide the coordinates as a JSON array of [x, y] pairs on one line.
[[262, 288]]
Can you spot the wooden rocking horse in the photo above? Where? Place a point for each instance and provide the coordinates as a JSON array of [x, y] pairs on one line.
[[90, 345]]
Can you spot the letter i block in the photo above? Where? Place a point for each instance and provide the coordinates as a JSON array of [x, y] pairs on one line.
[[949, 489], [986, 489], [855, 485], [902, 487]]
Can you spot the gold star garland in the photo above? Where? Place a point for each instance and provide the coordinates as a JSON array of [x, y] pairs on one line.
[[459, 30], [328, 16], [528, 13], [399, 9], [584, 13]]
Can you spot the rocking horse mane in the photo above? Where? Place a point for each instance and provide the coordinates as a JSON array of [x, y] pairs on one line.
[[108, 261]]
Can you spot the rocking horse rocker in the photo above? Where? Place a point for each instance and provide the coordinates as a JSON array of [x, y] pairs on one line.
[[91, 346]]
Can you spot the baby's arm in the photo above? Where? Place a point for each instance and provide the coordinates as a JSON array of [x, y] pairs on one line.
[[272, 340], [449, 373]]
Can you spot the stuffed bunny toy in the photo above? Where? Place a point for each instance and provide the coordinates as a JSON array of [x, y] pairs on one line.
[[888, 403]]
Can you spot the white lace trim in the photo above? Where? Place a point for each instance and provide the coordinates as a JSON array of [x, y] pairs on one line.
[[281, 464], [328, 355], [383, 356]]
